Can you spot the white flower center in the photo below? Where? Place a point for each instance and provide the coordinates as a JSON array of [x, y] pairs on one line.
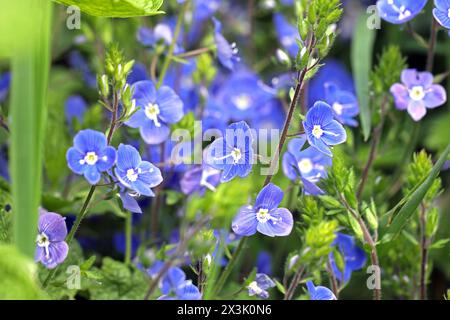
[[236, 154], [448, 13], [317, 131], [132, 175], [152, 112], [90, 158], [263, 215], [43, 242], [337, 107], [417, 93], [305, 165], [403, 13], [242, 102], [255, 288]]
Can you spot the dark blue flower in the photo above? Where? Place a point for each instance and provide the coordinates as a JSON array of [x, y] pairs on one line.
[[157, 109], [441, 13], [5, 80], [75, 108], [200, 178], [233, 153], [309, 165], [354, 257], [264, 216], [400, 11], [260, 285], [322, 131], [264, 263], [51, 249], [226, 52], [90, 155], [135, 174], [287, 34], [78, 62], [319, 292], [344, 104], [119, 241]]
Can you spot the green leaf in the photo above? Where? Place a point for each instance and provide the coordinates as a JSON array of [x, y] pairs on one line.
[[414, 201], [18, 276], [115, 8], [361, 57], [439, 244]]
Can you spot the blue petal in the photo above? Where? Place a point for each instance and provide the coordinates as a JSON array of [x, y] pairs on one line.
[[129, 203], [89, 141], [127, 157], [214, 152], [319, 145], [229, 172], [264, 281], [280, 227], [106, 159], [188, 291], [150, 175], [53, 225], [153, 134], [334, 133], [245, 223], [91, 174], [73, 157], [389, 11], [320, 114], [174, 278], [145, 36], [311, 188], [296, 144], [269, 197], [170, 105], [142, 188], [290, 166]]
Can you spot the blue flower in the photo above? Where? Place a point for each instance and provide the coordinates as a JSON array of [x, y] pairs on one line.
[[138, 73], [319, 292], [198, 179], [354, 257], [226, 52], [215, 116], [157, 109], [90, 155], [180, 78], [400, 11], [271, 115], [78, 62], [309, 165], [232, 154], [321, 130], [5, 80], [260, 285], [441, 13], [264, 216], [135, 174], [264, 263], [51, 249], [344, 104], [417, 93], [287, 34], [75, 107], [174, 285]]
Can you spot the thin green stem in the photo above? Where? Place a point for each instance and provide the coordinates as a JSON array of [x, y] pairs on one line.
[[226, 273], [432, 45], [169, 56], [128, 236]]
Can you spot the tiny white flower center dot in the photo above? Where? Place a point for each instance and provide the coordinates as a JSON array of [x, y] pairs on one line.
[[305, 165], [337, 107], [242, 102], [90, 158], [152, 112], [254, 286], [317, 131], [132, 175], [43, 242], [236, 154], [263, 215], [417, 93]]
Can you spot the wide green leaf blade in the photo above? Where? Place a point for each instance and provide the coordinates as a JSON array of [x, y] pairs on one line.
[[116, 8], [414, 201], [361, 57]]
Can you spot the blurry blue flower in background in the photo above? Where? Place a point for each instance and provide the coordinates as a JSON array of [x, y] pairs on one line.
[[180, 79], [138, 73], [354, 257], [135, 174], [287, 34], [264, 216], [157, 109], [215, 116], [321, 130], [400, 11], [233, 153], [264, 263], [51, 249], [417, 93], [260, 285], [308, 164], [319, 292], [344, 104], [119, 241], [75, 107], [198, 179], [441, 13], [226, 52], [5, 80], [270, 115], [162, 32], [4, 172], [90, 155], [78, 62]]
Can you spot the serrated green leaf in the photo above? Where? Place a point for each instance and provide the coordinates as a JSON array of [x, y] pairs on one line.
[[116, 8]]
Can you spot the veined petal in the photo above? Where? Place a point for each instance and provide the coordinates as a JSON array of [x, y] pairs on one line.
[[53, 225], [417, 110], [269, 197], [73, 157], [89, 141], [91, 174], [320, 114], [435, 97], [334, 133], [153, 134], [401, 96], [245, 222], [57, 254], [106, 159], [127, 157], [151, 175], [170, 105], [282, 222]]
